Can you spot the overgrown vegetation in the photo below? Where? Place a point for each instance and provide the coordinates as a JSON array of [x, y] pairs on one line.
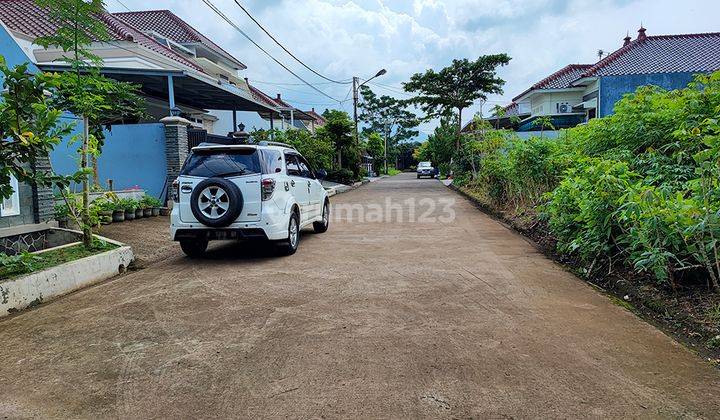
[[637, 189]]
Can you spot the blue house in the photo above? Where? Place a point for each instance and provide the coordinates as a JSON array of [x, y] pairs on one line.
[[579, 92], [667, 61]]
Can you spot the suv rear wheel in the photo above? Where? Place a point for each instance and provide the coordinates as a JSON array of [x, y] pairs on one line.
[[290, 245], [194, 248]]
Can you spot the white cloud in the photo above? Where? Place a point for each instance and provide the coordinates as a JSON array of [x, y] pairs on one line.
[[344, 38]]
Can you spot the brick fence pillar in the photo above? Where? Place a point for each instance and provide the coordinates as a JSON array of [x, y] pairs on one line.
[[176, 148], [43, 197]]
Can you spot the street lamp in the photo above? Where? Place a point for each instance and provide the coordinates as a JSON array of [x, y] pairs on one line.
[[357, 87]]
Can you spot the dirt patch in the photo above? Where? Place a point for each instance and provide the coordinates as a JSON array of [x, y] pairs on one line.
[[149, 239], [691, 315]]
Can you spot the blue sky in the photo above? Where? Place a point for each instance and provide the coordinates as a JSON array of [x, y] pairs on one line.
[[345, 38]]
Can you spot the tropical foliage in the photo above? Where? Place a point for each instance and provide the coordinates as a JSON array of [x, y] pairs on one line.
[[456, 87], [30, 127]]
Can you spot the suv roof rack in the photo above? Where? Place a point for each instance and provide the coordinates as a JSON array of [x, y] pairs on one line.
[[275, 143]]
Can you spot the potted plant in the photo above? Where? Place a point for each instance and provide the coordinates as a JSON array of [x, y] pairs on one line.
[[104, 210], [62, 215], [165, 211], [153, 204], [129, 205], [146, 205], [139, 211], [118, 214]]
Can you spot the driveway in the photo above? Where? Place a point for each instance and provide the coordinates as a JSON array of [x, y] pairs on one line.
[[376, 318]]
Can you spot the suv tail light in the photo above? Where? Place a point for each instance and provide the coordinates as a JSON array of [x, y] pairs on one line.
[[176, 191], [267, 188]]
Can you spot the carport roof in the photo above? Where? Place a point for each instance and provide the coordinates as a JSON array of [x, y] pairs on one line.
[[189, 89]]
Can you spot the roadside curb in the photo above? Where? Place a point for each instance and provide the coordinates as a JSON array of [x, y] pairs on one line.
[[339, 189]]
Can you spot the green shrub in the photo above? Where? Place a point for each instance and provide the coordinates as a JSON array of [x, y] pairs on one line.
[[128, 204], [149, 201], [580, 211], [343, 176], [10, 264]]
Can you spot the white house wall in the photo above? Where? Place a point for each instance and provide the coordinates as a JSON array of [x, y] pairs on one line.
[[544, 103]]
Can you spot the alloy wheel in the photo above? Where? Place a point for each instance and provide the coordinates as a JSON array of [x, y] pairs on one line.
[[213, 202]]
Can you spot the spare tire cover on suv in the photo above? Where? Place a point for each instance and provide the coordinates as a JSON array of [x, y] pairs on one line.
[[216, 202]]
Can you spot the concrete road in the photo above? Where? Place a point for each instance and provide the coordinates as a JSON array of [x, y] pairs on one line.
[[379, 318]]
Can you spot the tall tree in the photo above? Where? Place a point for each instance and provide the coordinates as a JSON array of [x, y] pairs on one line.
[[83, 91], [375, 147], [29, 127], [457, 86], [389, 117], [338, 129]]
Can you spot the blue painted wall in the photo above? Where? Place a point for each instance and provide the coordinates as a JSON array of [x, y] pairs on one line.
[[133, 155], [612, 88]]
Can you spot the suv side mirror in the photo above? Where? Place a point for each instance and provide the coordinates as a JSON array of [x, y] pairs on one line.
[[321, 174]]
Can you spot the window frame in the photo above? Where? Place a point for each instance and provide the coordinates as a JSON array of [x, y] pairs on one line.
[[310, 173], [14, 199], [292, 156]]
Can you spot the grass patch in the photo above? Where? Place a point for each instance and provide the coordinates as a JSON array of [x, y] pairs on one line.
[[26, 263], [393, 171]]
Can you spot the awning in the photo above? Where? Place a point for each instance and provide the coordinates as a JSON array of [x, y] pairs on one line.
[[189, 89]]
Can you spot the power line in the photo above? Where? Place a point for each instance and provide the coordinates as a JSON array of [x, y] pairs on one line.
[[290, 84], [123, 5], [292, 101], [345, 82], [237, 28], [395, 91]]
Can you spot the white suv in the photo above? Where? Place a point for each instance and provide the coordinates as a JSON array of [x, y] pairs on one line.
[[266, 191]]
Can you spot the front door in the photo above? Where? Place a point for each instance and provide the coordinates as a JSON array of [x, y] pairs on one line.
[[314, 189]]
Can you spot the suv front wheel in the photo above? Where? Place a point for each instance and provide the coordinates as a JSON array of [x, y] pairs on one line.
[[322, 226], [194, 248]]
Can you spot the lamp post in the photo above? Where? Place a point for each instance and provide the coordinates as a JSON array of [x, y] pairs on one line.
[[357, 87]]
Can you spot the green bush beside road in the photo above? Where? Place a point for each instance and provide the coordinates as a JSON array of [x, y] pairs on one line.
[[638, 188]]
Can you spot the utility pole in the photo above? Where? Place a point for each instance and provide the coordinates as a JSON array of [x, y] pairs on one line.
[[385, 152], [355, 88]]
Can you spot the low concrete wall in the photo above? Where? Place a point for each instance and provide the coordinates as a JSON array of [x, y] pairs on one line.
[[22, 292]]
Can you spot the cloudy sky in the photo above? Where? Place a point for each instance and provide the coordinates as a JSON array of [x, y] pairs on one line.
[[345, 38]]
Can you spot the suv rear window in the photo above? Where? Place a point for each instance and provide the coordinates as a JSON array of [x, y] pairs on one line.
[[209, 163]]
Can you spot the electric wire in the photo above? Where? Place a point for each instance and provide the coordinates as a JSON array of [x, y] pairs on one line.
[[237, 28], [123, 5], [286, 50]]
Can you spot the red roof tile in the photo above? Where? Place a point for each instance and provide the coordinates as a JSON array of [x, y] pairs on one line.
[[25, 17], [169, 25], [259, 95], [662, 54], [561, 79]]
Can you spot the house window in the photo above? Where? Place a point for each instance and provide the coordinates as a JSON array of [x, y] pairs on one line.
[[11, 205]]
